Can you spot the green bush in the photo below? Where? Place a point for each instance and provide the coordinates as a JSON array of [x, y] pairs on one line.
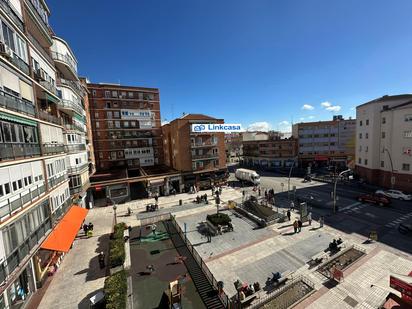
[[218, 219], [117, 252], [115, 289], [118, 230]]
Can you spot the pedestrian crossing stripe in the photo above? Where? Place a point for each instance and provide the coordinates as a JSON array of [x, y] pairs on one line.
[[399, 220]]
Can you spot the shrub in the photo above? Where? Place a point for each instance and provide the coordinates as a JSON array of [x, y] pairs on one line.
[[218, 219], [115, 288], [118, 230], [117, 252]]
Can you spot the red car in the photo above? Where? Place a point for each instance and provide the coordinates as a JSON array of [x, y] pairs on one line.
[[374, 199]]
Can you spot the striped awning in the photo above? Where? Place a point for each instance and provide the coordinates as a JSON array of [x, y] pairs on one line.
[[51, 98], [17, 119]]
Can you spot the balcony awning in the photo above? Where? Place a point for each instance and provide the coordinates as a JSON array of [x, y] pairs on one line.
[[17, 119], [62, 236], [51, 98]]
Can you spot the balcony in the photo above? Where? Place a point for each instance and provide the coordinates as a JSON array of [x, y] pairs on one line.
[[52, 88], [74, 127], [11, 206], [207, 156], [18, 150], [41, 21], [204, 144], [49, 149], [18, 62], [52, 182], [75, 148], [49, 117], [71, 107], [16, 104], [75, 85], [8, 8], [40, 48], [65, 64], [78, 169], [78, 189]]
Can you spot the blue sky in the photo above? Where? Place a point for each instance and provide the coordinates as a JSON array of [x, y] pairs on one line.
[[245, 61]]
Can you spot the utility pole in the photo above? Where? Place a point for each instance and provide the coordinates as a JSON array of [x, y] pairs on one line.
[[334, 188]]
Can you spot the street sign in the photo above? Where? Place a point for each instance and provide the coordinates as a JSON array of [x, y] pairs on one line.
[[303, 210]]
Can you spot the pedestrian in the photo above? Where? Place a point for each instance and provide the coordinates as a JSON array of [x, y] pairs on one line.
[[259, 191], [321, 221], [220, 190], [300, 225], [85, 228], [90, 227], [101, 260], [310, 218], [295, 226], [288, 214], [154, 229], [292, 205], [266, 194], [156, 198]]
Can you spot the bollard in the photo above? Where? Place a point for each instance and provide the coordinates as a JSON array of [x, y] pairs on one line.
[[180, 202]]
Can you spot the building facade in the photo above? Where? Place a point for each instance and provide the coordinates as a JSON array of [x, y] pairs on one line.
[[326, 143], [42, 146], [126, 138], [272, 153], [199, 157], [384, 142], [234, 147]]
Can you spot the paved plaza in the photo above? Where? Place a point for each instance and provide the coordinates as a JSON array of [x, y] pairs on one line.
[[247, 254]]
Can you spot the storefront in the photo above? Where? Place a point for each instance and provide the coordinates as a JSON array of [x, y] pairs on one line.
[[188, 182], [156, 186]]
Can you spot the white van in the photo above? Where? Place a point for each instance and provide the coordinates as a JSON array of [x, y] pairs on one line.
[[243, 174]]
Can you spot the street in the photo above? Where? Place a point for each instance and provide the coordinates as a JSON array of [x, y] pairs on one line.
[[352, 216]]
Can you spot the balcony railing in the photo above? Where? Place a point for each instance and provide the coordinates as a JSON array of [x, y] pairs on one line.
[[75, 85], [16, 104], [42, 22], [18, 62], [18, 150], [78, 189], [39, 48], [207, 156], [66, 59], [6, 6], [48, 86], [71, 105], [75, 127], [49, 117], [77, 169], [75, 147], [52, 182], [204, 144], [49, 149], [22, 200]]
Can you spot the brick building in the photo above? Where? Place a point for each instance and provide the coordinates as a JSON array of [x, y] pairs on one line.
[[200, 157]]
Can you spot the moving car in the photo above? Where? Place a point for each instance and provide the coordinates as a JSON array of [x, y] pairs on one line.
[[396, 194], [243, 174], [378, 199]]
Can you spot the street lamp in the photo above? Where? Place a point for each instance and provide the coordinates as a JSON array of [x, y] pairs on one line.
[[390, 160], [334, 188], [290, 173], [115, 216]]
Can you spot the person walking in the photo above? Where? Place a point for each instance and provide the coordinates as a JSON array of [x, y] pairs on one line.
[[154, 229], [90, 226], [101, 260], [85, 228], [310, 218], [295, 226], [156, 198], [288, 214], [292, 205], [321, 221], [259, 192], [299, 226]]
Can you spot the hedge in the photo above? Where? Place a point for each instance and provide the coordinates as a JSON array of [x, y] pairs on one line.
[[219, 218], [115, 289], [117, 252]]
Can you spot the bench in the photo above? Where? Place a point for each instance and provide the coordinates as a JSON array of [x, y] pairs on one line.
[[316, 259], [248, 299]]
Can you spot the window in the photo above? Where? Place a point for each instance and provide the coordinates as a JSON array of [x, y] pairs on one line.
[[107, 94], [100, 155], [366, 135], [366, 161], [407, 134], [360, 135], [108, 104], [8, 35], [7, 188], [360, 148], [96, 115], [382, 163], [130, 94], [94, 93], [408, 117], [114, 94], [117, 124], [360, 123], [367, 122], [109, 115], [406, 167], [97, 125], [116, 114], [383, 134], [126, 124], [367, 149], [383, 120]]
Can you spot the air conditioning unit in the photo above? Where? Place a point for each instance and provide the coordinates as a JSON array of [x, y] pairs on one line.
[[5, 51]]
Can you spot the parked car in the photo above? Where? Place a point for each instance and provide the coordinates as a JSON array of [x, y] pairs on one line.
[[396, 194], [378, 199]]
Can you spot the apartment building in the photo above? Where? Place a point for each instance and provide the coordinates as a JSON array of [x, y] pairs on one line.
[[384, 142], [271, 153], [234, 147], [42, 148], [199, 157], [326, 143], [126, 138]]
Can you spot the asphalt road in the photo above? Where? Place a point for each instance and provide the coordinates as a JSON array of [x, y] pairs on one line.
[[352, 217]]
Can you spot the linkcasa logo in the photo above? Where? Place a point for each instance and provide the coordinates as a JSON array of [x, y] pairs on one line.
[[216, 127]]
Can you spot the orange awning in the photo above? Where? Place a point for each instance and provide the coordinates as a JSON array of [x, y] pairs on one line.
[[62, 236]]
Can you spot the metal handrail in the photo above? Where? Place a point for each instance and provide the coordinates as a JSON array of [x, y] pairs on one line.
[[66, 59], [12, 102]]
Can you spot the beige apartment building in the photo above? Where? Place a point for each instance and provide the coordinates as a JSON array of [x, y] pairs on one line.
[[384, 142]]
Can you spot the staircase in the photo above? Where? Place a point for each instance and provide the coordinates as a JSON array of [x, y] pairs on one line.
[[206, 291]]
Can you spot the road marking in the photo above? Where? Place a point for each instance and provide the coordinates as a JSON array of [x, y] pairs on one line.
[[350, 206], [394, 223]]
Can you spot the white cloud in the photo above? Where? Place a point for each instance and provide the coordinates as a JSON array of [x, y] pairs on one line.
[[284, 123], [335, 108], [326, 104], [259, 126], [311, 117], [308, 107], [353, 108], [285, 126], [302, 118], [164, 122]]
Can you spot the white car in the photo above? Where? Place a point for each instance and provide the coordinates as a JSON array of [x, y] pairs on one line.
[[396, 194]]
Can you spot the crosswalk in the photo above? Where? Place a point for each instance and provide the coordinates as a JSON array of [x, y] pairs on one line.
[[399, 220], [352, 208]]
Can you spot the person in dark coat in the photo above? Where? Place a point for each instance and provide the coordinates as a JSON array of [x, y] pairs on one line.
[[288, 214], [90, 226], [101, 260], [85, 228], [295, 226], [300, 225]]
